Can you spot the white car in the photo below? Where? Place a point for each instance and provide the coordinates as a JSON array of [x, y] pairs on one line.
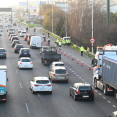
[[23, 33], [40, 84], [56, 64], [25, 62]]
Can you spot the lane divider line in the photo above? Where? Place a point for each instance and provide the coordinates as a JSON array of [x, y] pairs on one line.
[[27, 108]]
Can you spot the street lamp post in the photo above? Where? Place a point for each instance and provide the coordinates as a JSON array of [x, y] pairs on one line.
[[66, 17], [52, 16], [92, 25]]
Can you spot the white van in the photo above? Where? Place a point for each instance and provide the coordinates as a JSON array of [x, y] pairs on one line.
[[36, 42]]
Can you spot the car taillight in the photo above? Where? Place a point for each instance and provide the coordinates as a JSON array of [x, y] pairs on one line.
[[78, 91], [92, 91], [31, 63], [54, 74], [20, 62], [4, 99], [5, 52], [49, 85], [36, 85]]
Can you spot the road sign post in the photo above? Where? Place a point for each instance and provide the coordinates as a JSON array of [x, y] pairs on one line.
[[92, 41]]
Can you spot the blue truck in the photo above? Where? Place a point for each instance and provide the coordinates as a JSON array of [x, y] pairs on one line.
[[105, 72], [3, 82]]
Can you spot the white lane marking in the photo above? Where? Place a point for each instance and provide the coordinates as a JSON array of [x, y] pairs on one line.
[[74, 73], [69, 69], [73, 108], [104, 98], [20, 85], [99, 93], [114, 106], [16, 71], [27, 108], [80, 77], [109, 101], [96, 91], [77, 75]]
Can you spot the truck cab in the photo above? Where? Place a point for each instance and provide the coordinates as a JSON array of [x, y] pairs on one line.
[[98, 67], [3, 83]]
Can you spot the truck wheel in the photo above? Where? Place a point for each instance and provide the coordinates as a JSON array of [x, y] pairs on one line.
[[95, 84], [105, 90], [75, 99]]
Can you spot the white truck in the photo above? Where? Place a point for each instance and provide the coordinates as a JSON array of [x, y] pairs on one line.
[[36, 42], [3, 82], [104, 71]]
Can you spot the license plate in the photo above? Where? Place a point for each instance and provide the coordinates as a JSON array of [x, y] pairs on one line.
[[85, 96]]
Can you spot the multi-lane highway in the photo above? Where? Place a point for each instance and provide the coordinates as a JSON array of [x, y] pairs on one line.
[[22, 103]]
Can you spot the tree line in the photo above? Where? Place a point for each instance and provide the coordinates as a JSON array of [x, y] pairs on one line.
[[79, 23]]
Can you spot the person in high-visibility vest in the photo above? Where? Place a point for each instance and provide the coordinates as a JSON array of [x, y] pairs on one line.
[[60, 43], [81, 50], [57, 42], [88, 50], [67, 42], [64, 42]]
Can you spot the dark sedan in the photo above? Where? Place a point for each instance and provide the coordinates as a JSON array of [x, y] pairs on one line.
[[3, 53], [18, 47], [82, 91]]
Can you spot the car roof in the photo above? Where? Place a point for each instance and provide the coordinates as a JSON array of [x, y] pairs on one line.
[[19, 44], [115, 112], [25, 48], [25, 58], [2, 48], [82, 84], [59, 67], [15, 36], [41, 78], [59, 62]]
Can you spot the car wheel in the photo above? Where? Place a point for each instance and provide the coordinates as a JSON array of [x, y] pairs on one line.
[[53, 81], [95, 84], [50, 92], [70, 93], [66, 81], [105, 90], [75, 98]]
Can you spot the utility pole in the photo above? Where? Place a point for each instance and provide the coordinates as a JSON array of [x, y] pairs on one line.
[[52, 16], [92, 25], [66, 17], [108, 11]]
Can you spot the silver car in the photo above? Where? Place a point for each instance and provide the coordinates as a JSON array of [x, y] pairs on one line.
[[58, 74]]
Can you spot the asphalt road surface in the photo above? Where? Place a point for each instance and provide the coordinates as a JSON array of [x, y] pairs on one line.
[[22, 103]]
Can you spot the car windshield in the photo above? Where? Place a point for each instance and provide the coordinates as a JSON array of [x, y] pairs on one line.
[[42, 81], [60, 71], [25, 51], [2, 50], [15, 38], [59, 64], [26, 60], [19, 46], [84, 88]]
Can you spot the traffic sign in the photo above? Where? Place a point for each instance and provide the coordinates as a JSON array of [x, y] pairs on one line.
[[92, 40]]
